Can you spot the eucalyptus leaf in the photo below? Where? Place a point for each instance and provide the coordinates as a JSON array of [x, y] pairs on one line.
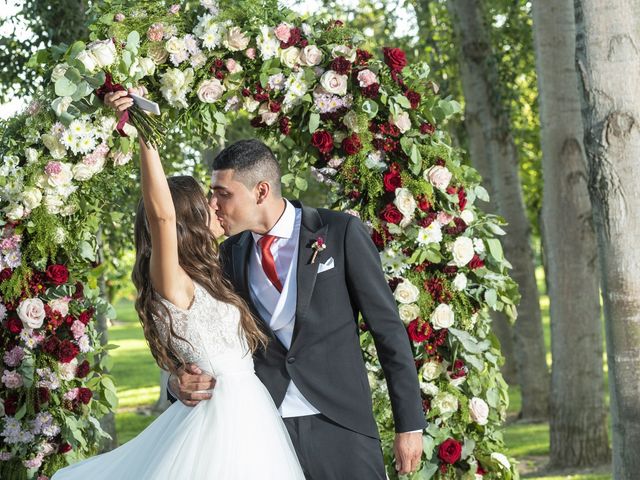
[[65, 87], [370, 107], [314, 122], [495, 248]]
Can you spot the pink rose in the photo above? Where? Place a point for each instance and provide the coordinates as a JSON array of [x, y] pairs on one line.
[[250, 53], [366, 78], [155, 32], [12, 379], [311, 56], [31, 312], [174, 9], [334, 83], [438, 176], [78, 328], [283, 32], [444, 218], [402, 121], [60, 305], [233, 66]]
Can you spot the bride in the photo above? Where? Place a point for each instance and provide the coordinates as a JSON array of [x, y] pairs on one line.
[[190, 314]]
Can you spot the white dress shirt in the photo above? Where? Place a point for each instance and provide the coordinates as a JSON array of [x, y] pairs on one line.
[[278, 308]]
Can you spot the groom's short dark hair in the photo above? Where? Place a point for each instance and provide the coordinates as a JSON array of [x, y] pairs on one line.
[[252, 162]]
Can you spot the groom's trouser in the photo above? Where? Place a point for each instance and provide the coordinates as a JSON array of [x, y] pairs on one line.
[[328, 451]]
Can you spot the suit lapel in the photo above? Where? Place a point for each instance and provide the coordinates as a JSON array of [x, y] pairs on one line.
[[240, 257], [310, 229]]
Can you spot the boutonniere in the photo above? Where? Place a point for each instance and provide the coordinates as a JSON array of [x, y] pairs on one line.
[[317, 246]]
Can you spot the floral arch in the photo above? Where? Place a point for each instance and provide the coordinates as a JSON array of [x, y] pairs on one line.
[[369, 127]]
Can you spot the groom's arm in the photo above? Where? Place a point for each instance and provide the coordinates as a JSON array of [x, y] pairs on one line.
[[370, 292]]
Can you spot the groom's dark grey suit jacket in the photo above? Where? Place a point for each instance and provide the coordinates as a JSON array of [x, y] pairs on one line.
[[325, 360]]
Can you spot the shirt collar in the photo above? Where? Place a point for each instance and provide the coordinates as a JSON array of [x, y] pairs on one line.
[[284, 226]]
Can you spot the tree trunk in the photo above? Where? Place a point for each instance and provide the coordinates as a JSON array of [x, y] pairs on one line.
[[108, 422], [578, 427], [608, 63], [492, 146]]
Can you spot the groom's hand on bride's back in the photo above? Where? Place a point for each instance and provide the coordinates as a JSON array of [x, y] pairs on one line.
[[191, 385]]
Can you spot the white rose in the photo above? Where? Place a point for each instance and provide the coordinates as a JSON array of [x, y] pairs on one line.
[[56, 149], [479, 410], [408, 312], [478, 246], [210, 91], [61, 104], [15, 211], [235, 39], [438, 176], [31, 312], [88, 61], [311, 56], [405, 202], [32, 155], [334, 83], [54, 203], [175, 45], [467, 216], [267, 115], [63, 178], [82, 172], [442, 317], [445, 403], [351, 121], [250, 104], [501, 459], [157, 53], [290, 56], [402, 121], [31, 197], [59, 71], [462, 251], [432, 370], [430, 389], [103, 51], [60, 305], [148, 66], [68, 370], [406, 292], [460, 282], [344, 51], [120, 158]]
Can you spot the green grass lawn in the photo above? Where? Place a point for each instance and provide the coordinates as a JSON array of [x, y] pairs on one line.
[[137, 380]]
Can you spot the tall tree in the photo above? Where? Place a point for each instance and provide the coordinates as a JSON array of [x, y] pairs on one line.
[[577, 416], [494, 152], [608, 62]]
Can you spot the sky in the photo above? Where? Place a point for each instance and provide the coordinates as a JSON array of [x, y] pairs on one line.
[[8, 8]]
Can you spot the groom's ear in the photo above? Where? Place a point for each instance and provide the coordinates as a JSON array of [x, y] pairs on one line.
[[263, 190]]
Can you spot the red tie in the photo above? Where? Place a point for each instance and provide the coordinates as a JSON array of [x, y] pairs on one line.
[[268, 264]]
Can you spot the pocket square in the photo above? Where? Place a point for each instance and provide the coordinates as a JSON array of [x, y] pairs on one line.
[[328, 265]]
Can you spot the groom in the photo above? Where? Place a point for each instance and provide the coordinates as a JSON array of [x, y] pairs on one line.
[[309, 298]]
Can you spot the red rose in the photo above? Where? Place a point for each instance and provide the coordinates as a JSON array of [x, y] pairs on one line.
[[423, 203], [285, 125], [84, 395], [64, 448], [372, 91], [391, 214], [462, 198], [246, 92], [352, 144], [427, 129], [58, 274], [322, 140], [11, 405], [14, 325], [419, 331], [79, 293], [395, 58], [83, 369], [67, 351], [392, 180], [341, 65], [85, 317], [476, 262], [450, 451], [413, 97]]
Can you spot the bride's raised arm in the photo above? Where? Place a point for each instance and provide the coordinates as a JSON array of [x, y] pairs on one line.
[[167, 277]]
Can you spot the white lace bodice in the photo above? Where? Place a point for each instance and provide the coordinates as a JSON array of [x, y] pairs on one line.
[[212, 328]]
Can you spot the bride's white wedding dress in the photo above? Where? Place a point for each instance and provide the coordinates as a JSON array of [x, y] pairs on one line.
[[237, 435]]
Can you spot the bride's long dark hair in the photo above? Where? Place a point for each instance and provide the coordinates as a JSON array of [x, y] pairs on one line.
[[198, 256]]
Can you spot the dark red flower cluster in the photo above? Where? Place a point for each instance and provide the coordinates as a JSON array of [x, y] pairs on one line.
[[413, 97], [83, 369], [385, 136], [423, 203], [218, 69], [393, 283], [458, 370], [457, 228], [363, 57], [371, 91], [84, 395], [5, 274], [341, 65], [476, 262], [427, 129], [428, 219], [352, 144], [462, 198], [381, 238], [285, 125], [295, 39], [437, 289]]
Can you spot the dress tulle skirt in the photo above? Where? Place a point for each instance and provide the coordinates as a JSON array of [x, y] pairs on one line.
[[237, 435]]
